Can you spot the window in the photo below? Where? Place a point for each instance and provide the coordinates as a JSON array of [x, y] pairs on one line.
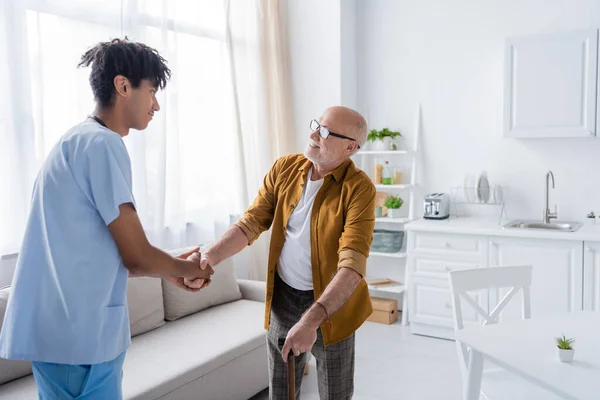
[[185, 164]]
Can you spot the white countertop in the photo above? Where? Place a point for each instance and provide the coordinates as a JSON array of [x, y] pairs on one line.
[[489, 227]]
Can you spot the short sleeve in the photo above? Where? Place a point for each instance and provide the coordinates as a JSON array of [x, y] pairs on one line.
[[107, 176]]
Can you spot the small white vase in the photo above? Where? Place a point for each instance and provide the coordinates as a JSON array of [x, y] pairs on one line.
[[387, 143], [394, 212], [378, 145], [566, 355]]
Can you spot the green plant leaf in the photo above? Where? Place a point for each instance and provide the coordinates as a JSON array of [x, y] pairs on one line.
[[564, 343], [393, 202], [374, 134]]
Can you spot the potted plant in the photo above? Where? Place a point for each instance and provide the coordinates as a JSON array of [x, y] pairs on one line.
[[383, 139], [565, 348], [393, 204]]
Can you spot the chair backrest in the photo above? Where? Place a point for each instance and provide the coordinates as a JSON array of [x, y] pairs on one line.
[[517, 278]]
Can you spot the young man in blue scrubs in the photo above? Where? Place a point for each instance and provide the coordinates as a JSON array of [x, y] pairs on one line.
[[68, 307]]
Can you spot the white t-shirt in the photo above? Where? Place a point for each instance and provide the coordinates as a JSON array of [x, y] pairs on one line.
[[295, 267]]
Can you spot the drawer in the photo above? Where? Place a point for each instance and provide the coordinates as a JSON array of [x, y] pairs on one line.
[[430, 303], [438, 267], [448, 244]]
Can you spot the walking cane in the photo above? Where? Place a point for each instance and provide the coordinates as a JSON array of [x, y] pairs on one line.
[[291, 372]]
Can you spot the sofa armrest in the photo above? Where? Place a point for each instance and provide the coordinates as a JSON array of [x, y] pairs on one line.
[[253, 290]]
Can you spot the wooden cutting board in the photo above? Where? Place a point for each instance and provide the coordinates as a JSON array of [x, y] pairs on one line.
[[380, 198]]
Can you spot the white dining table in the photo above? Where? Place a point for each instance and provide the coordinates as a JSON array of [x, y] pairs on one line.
[[528, 349]]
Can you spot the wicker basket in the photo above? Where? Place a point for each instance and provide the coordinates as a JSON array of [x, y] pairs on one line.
[[387, 241]]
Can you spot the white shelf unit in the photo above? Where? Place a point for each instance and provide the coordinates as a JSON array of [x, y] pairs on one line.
[[384, 187], [365, 161], [396, 289], [389, 220], [400, 254], [385, 152]]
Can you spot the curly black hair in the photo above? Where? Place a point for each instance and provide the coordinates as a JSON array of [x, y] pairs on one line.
[[135, 61]]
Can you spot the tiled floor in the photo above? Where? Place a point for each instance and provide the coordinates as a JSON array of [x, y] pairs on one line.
[[393, 364]]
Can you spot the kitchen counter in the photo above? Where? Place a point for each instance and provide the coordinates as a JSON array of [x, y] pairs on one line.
[[565, 269], [490, 227]]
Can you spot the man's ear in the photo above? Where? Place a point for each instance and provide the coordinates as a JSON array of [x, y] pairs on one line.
[[122, 85], [352, 146]]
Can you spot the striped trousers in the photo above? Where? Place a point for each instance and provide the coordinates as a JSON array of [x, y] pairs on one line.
[[335, 363]]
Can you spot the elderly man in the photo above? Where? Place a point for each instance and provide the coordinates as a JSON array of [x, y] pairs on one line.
[[321, 209]]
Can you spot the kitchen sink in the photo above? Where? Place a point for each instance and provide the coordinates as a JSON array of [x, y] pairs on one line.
[[563, 226]]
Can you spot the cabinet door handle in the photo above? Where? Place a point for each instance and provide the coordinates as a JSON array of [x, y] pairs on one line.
[[447, 244], [588, 248], [448, 305]]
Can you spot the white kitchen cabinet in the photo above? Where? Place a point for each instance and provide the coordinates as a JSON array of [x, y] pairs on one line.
[[557, 281], [566, 275], [430, 256], [591, 276], [428, 266], [430, 308], [550, 85], [455, 246]]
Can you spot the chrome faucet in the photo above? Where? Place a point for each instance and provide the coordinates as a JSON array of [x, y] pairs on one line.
[[548, 215]]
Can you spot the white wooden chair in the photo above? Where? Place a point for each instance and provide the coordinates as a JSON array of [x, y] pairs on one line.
[[497, 383]]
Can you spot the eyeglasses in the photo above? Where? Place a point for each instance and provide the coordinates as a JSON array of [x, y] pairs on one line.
[[325, 133]]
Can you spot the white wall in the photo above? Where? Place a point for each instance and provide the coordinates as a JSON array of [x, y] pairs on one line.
[[323, 38], [448, 55], [349, 53], [386, 56], [314, 50]]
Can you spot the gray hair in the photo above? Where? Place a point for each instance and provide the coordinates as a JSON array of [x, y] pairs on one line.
[[361, 131], [360, 128]]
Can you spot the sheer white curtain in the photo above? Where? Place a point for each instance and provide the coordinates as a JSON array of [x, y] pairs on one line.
[[203, 157]]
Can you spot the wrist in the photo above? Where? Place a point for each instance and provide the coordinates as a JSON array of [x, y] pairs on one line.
[[315, 316], [211, 257], [185, 268]]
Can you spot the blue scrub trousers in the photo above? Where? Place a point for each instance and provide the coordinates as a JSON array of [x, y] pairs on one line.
[[81, 382]]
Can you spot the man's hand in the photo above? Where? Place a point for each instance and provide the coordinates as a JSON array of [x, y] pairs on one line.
[[303, 335], [179, 282], [192, 255], [200, 283], [300, 339]]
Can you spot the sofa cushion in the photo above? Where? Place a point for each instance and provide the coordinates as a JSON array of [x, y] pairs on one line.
[[145, 302], [20, 389], [223, 289], [187, 349], [10, 369]]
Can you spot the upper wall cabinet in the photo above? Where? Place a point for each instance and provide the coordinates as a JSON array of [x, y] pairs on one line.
[[550, 85]]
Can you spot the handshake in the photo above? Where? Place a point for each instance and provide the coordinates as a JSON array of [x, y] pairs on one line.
[[206, 272], [201, 275]]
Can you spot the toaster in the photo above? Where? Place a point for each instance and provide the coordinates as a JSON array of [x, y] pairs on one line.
[[436, 206]]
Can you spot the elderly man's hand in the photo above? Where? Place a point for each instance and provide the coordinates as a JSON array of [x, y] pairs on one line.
[[300, 339], [203, 278], [199, 283]]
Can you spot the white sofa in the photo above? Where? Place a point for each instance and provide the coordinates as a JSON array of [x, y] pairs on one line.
[[206, 345]]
